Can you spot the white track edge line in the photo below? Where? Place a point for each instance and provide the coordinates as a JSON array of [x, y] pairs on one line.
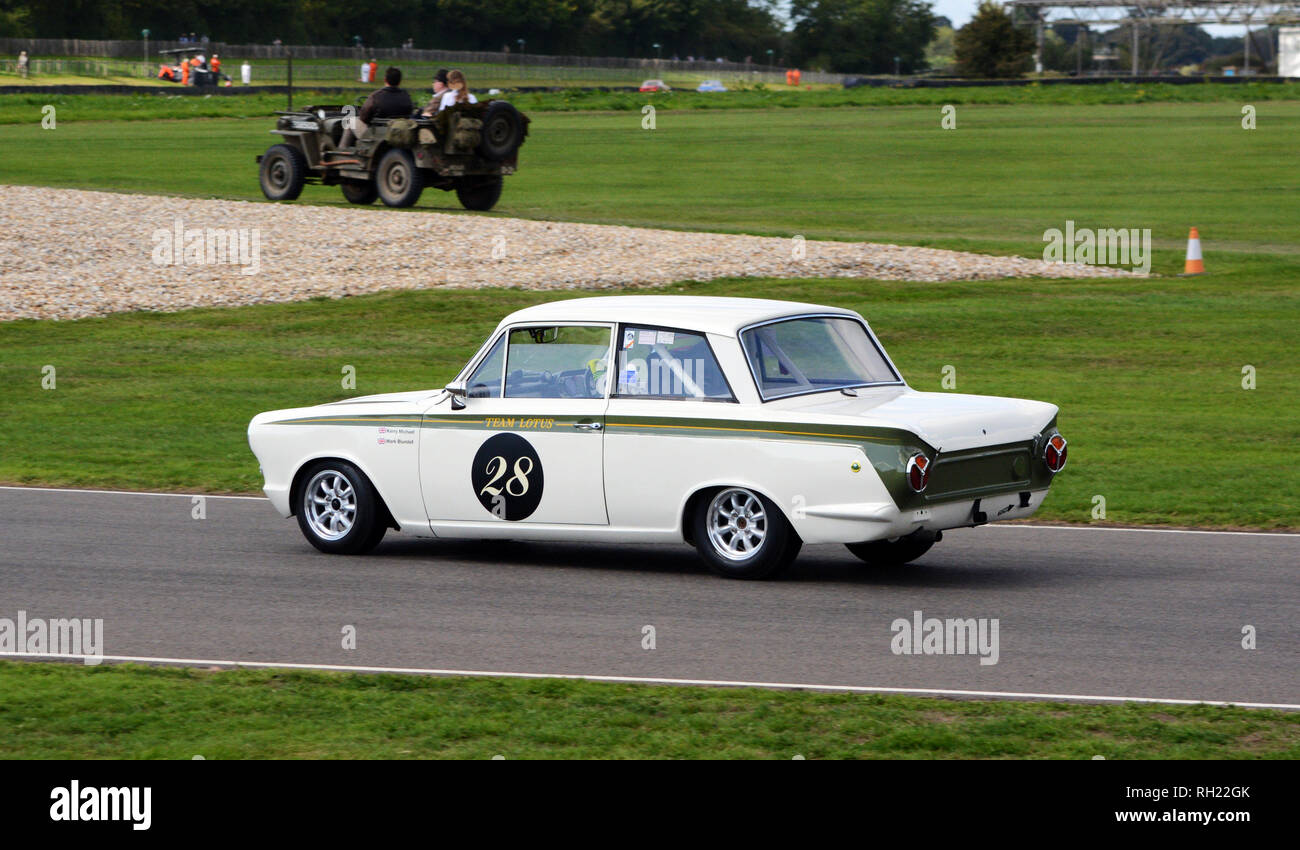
[[649, 680], [1291, 535]]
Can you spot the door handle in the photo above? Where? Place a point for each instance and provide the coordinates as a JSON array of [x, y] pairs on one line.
[[588, 426]]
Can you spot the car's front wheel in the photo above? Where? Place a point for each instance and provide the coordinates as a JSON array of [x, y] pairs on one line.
[[896, 552], [338, 509], [742, 534]]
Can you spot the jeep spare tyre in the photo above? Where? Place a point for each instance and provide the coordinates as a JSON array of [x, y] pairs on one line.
[[503, 131]]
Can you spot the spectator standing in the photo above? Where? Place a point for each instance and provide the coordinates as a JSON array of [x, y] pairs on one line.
[[22, 64]]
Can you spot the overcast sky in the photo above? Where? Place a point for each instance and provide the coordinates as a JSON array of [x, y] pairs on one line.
[[958, 11]]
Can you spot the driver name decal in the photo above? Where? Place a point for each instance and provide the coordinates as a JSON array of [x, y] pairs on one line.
[[507, 477]]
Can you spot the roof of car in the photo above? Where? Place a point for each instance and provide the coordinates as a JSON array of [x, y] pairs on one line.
[[724, 316]]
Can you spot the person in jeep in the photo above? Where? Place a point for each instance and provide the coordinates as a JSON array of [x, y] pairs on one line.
[[391, 101]]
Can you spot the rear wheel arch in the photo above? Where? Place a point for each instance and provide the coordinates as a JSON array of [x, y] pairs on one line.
[[708, 491]]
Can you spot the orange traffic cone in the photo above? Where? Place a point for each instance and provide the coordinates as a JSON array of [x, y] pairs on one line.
[[1194, 265]]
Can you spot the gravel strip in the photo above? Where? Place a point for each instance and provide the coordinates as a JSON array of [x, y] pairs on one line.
[[73, 254]]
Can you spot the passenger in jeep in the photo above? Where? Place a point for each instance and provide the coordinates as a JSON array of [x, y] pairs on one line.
[[391, 101]]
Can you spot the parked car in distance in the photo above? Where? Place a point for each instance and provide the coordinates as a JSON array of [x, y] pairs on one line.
[[746, 427]]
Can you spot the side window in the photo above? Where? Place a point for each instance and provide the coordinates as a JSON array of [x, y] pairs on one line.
[[486, 380], [564, 361], [664, 364]]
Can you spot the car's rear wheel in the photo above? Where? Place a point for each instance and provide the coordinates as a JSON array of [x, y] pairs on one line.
[[398, 180], [898, 551], [338, 509], [283, 173], [742, 534], [359, 191], [479, 193]]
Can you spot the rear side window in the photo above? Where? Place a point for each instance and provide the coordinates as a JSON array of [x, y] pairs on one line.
[[668, 364]]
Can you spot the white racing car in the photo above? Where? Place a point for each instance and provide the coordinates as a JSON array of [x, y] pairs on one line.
[[746, 427]]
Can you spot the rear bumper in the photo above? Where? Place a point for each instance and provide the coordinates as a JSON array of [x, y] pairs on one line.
[[977, 511], [866, 521]]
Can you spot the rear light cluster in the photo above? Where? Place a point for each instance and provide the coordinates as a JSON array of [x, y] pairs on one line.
[[918, 472], [1054, 453]]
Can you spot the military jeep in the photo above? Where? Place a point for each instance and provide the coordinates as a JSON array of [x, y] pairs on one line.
[[468, 148]]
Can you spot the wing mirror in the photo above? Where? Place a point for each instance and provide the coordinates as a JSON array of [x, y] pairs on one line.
[[458, 393]]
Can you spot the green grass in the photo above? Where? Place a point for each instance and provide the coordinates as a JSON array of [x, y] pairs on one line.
[[59, 711], [995, 183], [1147, 375], [167, 102]]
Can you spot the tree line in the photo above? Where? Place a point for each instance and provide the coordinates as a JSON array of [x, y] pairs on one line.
[[861, 36]]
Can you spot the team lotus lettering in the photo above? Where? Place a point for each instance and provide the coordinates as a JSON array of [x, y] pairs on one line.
[[498, 422]]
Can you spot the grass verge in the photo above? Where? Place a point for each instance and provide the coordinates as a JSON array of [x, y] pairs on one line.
[[61, 711]]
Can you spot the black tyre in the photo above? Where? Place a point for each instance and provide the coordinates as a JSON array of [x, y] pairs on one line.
[[896, 552], [338, 509], [398, 180], [359, 191], [479, 193], [503, 131], [283, 173], [742, 534]]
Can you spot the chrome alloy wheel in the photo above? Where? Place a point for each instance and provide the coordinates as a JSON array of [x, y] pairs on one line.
[[330, 504], [737, 524]]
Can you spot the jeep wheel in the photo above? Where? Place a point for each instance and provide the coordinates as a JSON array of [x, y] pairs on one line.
[[283, 173], [359, 191], [479, 193], [398, 180], [503, 131]]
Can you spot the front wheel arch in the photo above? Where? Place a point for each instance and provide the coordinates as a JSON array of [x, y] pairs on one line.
[[300, 479]]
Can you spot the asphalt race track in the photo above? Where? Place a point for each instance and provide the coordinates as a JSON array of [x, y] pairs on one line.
[[1082, 611]]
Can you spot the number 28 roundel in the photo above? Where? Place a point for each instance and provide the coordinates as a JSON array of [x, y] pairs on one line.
[[507, 477]]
